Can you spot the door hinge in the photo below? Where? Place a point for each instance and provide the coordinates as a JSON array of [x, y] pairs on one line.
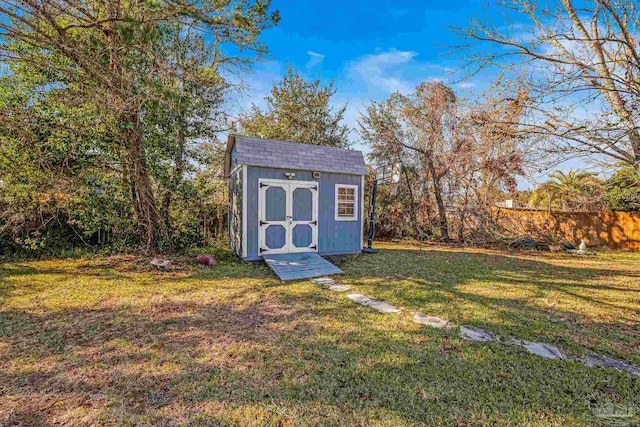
[[313, 222], [262, 184], [313, 247], [262, 250], [263, 223]]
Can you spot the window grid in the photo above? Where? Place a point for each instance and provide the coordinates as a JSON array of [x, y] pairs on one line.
[[346, 202]]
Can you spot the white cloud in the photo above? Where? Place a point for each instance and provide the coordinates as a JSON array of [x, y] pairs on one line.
[[384, 70], [375, 76], [466, 85], [315, 58]]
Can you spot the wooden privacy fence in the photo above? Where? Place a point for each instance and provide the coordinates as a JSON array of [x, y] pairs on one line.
[[616, 230]]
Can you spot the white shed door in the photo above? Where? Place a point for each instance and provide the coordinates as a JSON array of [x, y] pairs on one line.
[[288, 216]]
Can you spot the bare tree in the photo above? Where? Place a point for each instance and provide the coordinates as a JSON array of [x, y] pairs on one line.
[[582, 63], [415, 127], [430, 114], [383, 129], [458, 156], [490, 154]]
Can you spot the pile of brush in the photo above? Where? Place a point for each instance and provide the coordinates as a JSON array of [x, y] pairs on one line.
[[207, 260]]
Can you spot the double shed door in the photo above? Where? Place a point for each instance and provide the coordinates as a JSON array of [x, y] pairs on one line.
[[287, 216]]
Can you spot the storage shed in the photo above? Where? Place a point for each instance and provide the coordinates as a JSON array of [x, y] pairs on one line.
[[287, 197]]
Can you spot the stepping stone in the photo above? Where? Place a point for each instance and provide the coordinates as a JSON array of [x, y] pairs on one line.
[[380, 306], [339, 287], [323, 281], [360, 299], [595, 361], [543, 349], [331, 284], [477, 335], [432, 321], [383, 307]]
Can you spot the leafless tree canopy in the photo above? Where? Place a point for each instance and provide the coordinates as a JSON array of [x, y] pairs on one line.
[[458, 159], [582, 73]]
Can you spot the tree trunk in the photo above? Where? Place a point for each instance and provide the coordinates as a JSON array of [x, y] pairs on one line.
[[442, 213], [134, 164], [463, 213], [414, 209], [143, 198], [176, 178], [634, 138]]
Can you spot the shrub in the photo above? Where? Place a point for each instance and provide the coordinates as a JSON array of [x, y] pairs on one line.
[[623, 190]]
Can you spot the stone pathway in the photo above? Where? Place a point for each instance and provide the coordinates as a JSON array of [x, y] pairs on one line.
[[541, 349]]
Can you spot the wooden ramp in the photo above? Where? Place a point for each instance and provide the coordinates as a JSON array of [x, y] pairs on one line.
[[300, 266]]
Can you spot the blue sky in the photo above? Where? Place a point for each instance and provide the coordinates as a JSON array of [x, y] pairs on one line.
[[373, 48], [369, 48]]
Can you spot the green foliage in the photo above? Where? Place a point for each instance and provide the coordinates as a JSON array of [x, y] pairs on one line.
[[623, 190], [60, 185], [104, 128], [299, 110], [573, 190], [198, 213], [100, 203]]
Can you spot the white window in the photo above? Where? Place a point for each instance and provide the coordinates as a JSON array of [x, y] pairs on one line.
[[346, 206]]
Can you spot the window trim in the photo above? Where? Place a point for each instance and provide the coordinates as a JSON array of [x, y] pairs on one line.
[[354, 217]]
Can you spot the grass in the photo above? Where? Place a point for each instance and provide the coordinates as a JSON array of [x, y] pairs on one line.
[[111, 342]]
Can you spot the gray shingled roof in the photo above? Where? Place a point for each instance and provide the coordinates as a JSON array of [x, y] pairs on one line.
[[292, 155]]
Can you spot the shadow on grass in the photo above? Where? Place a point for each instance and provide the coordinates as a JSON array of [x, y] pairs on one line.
[[121, 356], [31, 279], [532, 298], [273, 354], [316, 363]]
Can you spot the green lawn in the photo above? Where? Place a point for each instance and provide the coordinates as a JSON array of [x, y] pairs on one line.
[[111, 342]]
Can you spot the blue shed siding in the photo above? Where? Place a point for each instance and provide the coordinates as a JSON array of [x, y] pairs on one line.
[[334, 237], [337, 236]]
